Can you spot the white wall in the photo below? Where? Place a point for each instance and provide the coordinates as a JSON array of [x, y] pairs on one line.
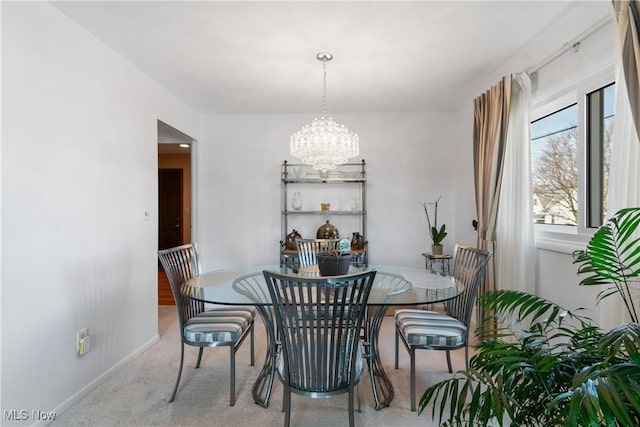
[[410, 158], [464, 182], [556, 277], [79, 169]]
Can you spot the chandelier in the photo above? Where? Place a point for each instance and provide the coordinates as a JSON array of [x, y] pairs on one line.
[[324, 143]]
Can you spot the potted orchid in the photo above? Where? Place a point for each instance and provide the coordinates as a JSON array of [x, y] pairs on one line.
[[437, 234]]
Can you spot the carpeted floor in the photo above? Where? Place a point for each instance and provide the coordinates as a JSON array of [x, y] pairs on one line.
[[137, 395]]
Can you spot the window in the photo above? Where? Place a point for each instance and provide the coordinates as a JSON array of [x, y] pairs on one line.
[[558, 167], [554, 155]]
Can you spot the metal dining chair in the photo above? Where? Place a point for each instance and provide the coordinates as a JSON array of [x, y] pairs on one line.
[[431, 330], [318, 322], [308, 248], [225, 326]]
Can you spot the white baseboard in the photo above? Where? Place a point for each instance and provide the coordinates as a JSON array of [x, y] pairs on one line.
[[84, 391]]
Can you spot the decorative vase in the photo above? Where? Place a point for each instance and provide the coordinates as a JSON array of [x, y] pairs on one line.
[[296, 203], [436, 249], [357, 242], [326, 231], [333, 265], [291, 240]]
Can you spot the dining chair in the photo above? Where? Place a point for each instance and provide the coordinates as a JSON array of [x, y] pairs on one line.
[[431, 330], [224, 326], [319, 322], [308, 248]]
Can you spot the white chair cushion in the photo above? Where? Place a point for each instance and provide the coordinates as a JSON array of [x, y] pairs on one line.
[[430, 328], [219, 325]]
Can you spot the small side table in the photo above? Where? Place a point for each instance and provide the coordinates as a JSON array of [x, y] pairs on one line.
[[444, 260]]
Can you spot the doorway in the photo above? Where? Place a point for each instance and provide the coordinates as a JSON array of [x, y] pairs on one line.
[[170, 201], [174, 197]]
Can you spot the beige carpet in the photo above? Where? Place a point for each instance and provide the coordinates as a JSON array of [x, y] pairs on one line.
[[137, 395]]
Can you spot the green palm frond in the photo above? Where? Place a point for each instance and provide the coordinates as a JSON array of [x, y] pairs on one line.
[[622, 342], [516, 307], [612, 258]]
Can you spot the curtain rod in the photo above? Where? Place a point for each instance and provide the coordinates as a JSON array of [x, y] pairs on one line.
[[572, 44]]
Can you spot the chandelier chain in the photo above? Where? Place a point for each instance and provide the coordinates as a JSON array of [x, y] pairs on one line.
[[324, 94]]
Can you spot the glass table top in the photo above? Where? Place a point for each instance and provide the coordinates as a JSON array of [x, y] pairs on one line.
[[393, 285]]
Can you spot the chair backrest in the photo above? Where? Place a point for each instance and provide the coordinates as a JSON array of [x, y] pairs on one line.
[[181, 264], [308, 248], [319, 322], [469, 265]]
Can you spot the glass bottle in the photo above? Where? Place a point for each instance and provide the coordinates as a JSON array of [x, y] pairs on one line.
[[296, 203]]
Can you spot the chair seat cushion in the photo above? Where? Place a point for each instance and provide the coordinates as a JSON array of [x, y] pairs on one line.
[[430, 329], [218, 325]]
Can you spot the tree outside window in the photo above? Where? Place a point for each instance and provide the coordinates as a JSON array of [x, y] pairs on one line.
[[555, 167]]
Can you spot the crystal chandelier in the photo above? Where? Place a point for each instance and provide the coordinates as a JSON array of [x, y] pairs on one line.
[[324, 143]]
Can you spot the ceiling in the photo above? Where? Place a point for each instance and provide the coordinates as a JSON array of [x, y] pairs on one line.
[[169, 140], [259, 57]]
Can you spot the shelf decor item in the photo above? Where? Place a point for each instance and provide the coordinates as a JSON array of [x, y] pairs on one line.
[[325, 206], [357, 242], [296, 203], [291, 240], [437, 234], [324, 143], [326, 231]]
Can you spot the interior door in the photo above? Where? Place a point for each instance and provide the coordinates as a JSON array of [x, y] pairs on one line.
[[169, 208]]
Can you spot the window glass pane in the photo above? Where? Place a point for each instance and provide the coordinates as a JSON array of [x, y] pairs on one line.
[[555, 167]]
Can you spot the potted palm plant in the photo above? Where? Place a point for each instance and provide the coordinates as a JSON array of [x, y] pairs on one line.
[[539, 364], [437, 234]]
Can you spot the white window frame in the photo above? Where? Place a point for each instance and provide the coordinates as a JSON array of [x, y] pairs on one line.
[[559, 238]]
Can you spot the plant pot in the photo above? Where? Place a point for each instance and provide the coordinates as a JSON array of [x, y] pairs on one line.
[[333, 265], [436, 249]]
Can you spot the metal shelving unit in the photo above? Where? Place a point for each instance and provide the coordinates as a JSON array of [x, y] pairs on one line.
[[297, 175]]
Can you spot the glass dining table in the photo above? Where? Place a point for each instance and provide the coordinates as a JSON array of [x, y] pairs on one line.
[[394, 285]]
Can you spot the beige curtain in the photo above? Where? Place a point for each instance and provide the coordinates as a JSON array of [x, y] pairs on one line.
[[624, 190], [491, 121], [627, 15]]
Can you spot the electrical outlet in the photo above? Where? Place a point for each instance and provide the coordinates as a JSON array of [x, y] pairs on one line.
[[85, 345], [80, 335]]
